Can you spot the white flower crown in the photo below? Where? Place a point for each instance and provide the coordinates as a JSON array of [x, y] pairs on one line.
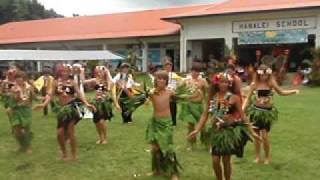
[[77, 65], [267, 71], [67, 66], [101, 68]]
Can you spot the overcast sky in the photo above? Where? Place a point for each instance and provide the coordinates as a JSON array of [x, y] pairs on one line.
[[92, 7]]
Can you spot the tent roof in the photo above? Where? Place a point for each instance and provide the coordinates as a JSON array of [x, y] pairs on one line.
[[56, 55]]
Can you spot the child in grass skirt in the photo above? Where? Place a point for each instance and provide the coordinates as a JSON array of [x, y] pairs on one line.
[[229, 134], [192, 108], [260, 108], [103, 101], [18, 101], [67, 109], [160, 129]]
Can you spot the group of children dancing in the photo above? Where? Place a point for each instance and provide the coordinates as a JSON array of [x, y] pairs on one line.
[[234, 118]]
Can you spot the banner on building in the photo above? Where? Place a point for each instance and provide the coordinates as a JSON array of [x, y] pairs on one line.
[[273, 37]]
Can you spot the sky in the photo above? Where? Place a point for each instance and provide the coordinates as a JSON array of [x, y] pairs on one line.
[[93, 7]]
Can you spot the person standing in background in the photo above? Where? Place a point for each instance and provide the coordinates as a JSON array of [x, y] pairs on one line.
[[44, 84], [124, 89], [172, 85]]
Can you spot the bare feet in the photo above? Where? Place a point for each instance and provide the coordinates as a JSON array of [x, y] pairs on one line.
[[149, 174], [174, 177], [98, 142], [257, 161], [29, 151], [65, 157], [73, 158], [267, 161], [147, 150], [154, 174], [190, 148], [104, 142]]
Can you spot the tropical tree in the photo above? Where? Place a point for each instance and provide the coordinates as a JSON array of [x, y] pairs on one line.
[[21, 10]]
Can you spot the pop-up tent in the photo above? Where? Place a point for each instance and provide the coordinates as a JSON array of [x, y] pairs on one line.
[[57, 55]]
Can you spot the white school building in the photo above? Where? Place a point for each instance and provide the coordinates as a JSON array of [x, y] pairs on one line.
[[245, 27]]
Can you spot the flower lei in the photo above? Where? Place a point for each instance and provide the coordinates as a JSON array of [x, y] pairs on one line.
[[219, 107], [222, 76]]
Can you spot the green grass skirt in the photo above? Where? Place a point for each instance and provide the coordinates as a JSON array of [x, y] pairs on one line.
[[205, 136], [66, 113], [104, 109], [160, 131], [230, 140], [21, 116], [262, 118], [7, 101], [130, 104], [190, 112]]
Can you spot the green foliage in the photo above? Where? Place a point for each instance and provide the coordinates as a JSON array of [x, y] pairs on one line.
[[92, 64], [132, 103], [316, 53], [315, 74], [184, 91], [20, 10]]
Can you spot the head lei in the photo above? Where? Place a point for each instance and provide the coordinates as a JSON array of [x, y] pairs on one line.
[[222, 77], [67, 67], [77, 65], [98, 69], [101, 68], [263, 69]]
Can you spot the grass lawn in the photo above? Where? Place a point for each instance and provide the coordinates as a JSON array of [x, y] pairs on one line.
[[295, 148]]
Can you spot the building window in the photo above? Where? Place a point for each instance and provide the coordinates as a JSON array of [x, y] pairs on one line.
[[154, 45]]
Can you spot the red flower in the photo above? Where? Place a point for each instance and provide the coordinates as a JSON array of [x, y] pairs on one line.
[[215, 80]]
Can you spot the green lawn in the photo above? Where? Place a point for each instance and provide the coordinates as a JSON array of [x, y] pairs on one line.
[[295, 148]]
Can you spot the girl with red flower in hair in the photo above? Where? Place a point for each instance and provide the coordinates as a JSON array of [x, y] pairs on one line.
[[230, 129]]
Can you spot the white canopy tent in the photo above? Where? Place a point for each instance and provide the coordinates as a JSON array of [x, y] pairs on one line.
[[56, 55]]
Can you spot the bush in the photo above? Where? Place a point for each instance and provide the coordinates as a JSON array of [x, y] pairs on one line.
[[315, 74]]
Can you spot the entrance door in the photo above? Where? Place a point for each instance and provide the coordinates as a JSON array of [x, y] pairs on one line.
[[213, 47], [170, 53]]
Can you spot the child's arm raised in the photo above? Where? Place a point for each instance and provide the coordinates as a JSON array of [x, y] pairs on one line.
[[283, 92], [114, 96], [248, 96]]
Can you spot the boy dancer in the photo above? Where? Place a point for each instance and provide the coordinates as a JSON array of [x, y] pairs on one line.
[[192, 109], [160, 130]]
